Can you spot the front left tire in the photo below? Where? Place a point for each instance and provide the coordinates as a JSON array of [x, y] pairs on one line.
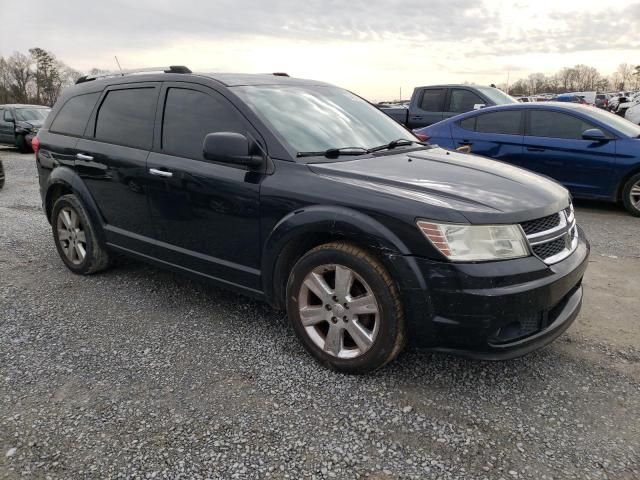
[[75, 237], [345, 308]]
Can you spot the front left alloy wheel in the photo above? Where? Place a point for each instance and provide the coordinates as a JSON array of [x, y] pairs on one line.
[[345, 308]]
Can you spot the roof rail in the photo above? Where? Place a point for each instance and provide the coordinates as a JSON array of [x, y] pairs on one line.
[[280, 74], [169, 69]]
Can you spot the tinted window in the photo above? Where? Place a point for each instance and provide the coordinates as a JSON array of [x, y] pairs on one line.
[[126, 117], [73, 116], [556, 125], [507, 122], [463, 101], [433, 100], [469, 123], [190, 115], [8, 116]]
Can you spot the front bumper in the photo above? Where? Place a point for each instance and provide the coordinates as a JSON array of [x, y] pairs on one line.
[[501, 310]]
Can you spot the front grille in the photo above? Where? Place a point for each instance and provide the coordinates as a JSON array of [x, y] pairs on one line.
[[541, 224], [552, 238], [550, 249]]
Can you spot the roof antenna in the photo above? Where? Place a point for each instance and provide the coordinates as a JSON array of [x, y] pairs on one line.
[[119, 67]]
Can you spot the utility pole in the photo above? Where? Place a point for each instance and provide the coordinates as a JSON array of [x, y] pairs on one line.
[[400, 93]]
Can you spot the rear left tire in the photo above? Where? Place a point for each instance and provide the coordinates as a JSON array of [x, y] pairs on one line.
[[75, 237]]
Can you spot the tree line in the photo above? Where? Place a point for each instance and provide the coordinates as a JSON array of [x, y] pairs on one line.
[[40, 77], [579, 78], [37, 77]]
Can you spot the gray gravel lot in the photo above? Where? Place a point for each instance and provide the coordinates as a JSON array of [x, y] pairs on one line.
[[140, 373]]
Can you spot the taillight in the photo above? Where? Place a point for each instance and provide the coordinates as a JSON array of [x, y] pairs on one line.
[[35, 144], [423, 137]]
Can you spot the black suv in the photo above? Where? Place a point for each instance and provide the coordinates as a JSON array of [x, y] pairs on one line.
[[20, 123], [306, 196]]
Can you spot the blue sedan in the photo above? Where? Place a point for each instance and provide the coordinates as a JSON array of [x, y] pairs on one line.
[[593, 153]]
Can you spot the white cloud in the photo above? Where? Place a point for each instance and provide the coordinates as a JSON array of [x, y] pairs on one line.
[[372, 47]]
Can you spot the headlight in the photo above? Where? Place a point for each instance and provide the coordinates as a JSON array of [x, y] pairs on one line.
[[475, 243]]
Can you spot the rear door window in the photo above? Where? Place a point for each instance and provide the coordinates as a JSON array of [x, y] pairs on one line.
[[544, 123], [505, 123], [189, 115], [74, 115], [433, 99], [463, 100], [126, 117]]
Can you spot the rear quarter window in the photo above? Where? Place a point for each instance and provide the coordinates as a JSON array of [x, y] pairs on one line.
[[74, 115]]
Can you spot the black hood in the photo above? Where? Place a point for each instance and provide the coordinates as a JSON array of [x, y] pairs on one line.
[[482, 190]]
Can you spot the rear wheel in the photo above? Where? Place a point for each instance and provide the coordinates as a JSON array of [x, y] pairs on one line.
[[631, 195], [345, 308], [75, 237]]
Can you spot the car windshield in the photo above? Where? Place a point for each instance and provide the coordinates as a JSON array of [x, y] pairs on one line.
[[26, 114], [312, 118], [615, 121], [497, 96]]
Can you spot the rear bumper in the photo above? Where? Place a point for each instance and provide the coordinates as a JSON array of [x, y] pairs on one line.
[[500, 310]]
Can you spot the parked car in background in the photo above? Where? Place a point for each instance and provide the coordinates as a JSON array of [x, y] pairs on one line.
[[588, 97], [633, 114], [593, 153], [570, 98], [365, 236], [627, 102], [20, 123], [602, 100], [431, 104]]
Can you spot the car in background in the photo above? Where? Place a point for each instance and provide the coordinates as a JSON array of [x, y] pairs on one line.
[[633, 114], [602, 100], [431, 104], [627, 102], [20, 123], [571, 98], [593, 153]]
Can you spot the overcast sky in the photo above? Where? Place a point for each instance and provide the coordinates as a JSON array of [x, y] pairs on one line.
[[373, 47]]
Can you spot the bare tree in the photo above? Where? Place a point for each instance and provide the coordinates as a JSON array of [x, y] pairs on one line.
[[624, 75], [19, 75]]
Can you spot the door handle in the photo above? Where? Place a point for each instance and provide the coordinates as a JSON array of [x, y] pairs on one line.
[[535, 149], [160, 173], [465, 143], [82, 156]]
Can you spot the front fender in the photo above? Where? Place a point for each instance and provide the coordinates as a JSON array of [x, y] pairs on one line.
[[346, 224]]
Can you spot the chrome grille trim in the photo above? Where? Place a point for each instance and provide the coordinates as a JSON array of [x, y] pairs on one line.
[[566, 229]]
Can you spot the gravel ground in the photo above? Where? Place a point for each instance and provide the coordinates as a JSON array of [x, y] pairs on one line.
[[139, 373]]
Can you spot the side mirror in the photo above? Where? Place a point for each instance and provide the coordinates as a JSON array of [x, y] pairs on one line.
[[230, 147], [595, 135], [478, 106]]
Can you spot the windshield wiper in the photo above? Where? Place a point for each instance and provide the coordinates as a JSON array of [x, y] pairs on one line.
[[335, 152]]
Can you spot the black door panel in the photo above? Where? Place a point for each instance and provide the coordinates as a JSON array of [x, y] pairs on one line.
[[207, 215]]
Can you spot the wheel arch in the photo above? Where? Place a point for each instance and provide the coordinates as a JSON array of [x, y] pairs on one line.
[[304, 229], [63, 181], [623, 182]]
